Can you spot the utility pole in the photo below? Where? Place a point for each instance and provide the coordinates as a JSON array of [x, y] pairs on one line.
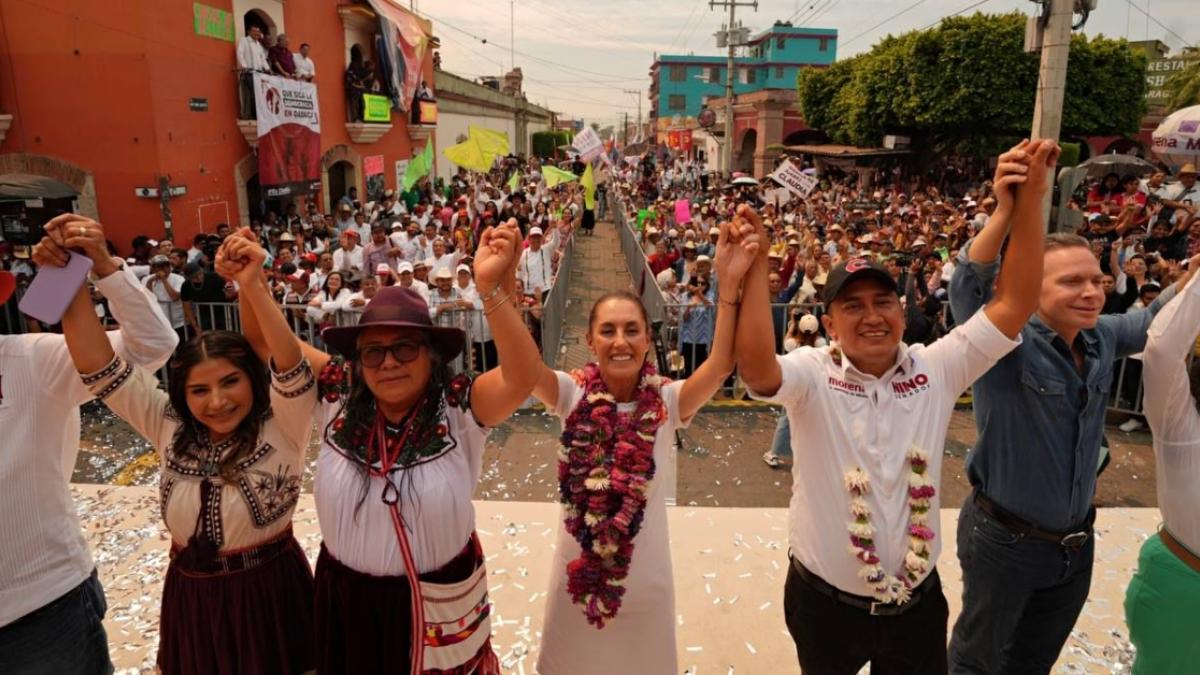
[[1054, 36], [512, 35], [625, 126], [731, 38], [638, 94]]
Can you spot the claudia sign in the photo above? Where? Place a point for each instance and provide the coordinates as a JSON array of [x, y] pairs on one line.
[[289, 135]]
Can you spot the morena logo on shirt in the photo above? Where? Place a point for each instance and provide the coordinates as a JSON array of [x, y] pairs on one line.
[[912, 386], [851, 388]]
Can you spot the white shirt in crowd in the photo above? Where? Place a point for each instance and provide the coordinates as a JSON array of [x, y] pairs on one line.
[[44, 554], [536, 269], [251, 55], [304, 65], [344, 260], [447, 261], [420, 287], [1171, 411], [172, 309], [843, 419]]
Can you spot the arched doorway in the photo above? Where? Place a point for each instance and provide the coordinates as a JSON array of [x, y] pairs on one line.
[[745, 157], [257, 17], [341, 179]]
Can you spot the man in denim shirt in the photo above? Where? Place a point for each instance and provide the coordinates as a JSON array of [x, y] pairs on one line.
[[1025, 533]]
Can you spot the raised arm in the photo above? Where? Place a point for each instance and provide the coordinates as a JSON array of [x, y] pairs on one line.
[[145, 337], [755, 333], [283, 345], [230, 269], [500, 391], [1020, 284], [737, 250], [1170, 407]]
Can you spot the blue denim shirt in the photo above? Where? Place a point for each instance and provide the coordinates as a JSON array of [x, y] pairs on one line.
[[1039, 421]]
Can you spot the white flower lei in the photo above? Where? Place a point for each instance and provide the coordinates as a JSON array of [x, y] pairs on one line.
[[886, 587]]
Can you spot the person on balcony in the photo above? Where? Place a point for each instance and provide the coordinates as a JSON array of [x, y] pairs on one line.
[[280, 56], [357, 79], [305, 68], [251, 58]]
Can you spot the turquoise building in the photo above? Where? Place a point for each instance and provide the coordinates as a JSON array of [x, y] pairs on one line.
[[681, 85]]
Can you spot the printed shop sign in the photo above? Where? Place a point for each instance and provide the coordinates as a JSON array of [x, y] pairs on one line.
[[289, 136], [791, 177]]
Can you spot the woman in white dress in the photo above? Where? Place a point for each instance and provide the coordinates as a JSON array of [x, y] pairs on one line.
[[611, 607]]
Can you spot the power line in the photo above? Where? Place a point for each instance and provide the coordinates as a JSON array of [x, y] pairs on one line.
[[961, 11], [821, 13], [884, 22], [1160, 24], [684, 27]]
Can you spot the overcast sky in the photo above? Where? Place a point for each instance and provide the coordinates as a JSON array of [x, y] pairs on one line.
[[579, 55]]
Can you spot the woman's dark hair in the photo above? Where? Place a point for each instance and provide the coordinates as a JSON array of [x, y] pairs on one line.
[[325, 284], [618, 295], [1104, 189], [235, 349]]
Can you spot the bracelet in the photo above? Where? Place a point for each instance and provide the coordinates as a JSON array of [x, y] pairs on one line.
[[723, 301], [488, 310], [487, 297]]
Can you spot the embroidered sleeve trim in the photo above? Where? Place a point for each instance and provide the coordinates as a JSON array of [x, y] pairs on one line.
[[293, 393], [297, 371], [104, 372], [115, 383]]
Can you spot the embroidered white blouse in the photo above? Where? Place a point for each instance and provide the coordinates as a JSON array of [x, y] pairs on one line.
[[256, 503]]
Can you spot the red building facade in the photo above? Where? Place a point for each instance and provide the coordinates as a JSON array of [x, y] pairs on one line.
[[106, 99]]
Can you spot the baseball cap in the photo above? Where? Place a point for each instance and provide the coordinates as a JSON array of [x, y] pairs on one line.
[[703, 258], [160, 260], [535, 231], [850, 271], [404, 268], [462, 268], [808, 324], [382, 268]]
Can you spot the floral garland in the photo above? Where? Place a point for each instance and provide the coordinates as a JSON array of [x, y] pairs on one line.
[[886, 587], [605, 466], [353, 424]]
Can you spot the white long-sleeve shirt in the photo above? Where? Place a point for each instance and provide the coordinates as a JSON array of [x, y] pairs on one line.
[[42, 552], [1171, 411], [251, 55], [536, 269]]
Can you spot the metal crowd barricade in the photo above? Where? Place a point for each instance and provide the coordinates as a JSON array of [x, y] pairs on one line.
[[554, 309], [644, 283]]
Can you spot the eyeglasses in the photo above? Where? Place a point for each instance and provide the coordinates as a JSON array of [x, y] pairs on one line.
[[403, 352]]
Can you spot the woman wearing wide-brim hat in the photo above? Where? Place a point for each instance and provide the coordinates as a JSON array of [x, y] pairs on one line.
[[401, 453]]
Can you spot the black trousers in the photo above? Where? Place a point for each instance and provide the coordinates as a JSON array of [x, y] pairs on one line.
[[833, 638]]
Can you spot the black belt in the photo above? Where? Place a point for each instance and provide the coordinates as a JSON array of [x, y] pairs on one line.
[[1020, 526], [870, 605]]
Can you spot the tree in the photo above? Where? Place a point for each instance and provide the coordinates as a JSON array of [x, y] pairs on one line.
[[968, 85], [1184, 87]]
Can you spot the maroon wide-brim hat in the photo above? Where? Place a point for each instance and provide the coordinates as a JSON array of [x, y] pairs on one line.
[[396, 307]]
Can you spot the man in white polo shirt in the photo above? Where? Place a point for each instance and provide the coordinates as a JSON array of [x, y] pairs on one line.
[[868, 418], [51, 601]]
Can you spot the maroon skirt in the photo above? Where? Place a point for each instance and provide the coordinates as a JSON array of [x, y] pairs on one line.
[[257, 619], [364, 622]]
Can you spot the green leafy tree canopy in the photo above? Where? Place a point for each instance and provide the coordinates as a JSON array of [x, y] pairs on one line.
[[969, 85]]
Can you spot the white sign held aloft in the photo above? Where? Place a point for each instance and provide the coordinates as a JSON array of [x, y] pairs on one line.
[[791, 177], [588, 143]]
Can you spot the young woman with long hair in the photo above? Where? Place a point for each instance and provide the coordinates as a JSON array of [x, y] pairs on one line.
[[230, 434], [400, 582], [611, 607]]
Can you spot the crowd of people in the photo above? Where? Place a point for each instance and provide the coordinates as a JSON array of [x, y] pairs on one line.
[[400, 583]]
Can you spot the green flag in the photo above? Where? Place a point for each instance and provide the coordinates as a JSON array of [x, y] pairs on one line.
[[419, 166], [555, 176], [642, 215], [514, 182]]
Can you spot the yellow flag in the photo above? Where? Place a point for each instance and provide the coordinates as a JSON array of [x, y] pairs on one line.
[[588, 181], [467, 154], [491, 143], [555, 176]]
